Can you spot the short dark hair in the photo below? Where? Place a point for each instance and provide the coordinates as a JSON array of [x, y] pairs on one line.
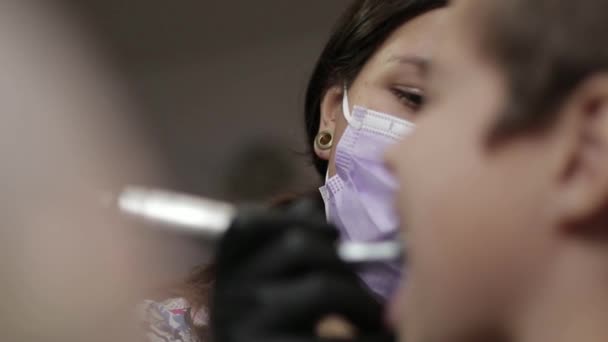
[[359, 33], [546, 49]]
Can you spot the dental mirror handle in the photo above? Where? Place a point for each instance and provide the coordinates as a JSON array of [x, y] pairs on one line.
[[209, 219]]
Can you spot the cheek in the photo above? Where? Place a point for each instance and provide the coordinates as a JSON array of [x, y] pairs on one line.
[[470, 255], [441, 199]]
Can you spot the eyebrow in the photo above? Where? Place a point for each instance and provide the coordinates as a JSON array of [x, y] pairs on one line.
[[419, 62]]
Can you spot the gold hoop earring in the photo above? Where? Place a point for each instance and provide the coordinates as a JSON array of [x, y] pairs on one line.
[[324, 140]]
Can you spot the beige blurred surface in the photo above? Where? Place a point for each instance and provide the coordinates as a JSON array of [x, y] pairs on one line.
[[70, 269]]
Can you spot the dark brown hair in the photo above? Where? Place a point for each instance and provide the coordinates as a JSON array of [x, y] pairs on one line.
[[357, 36], [546, 49]]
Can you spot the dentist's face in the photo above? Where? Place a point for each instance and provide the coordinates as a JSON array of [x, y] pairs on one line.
[[391, 82]]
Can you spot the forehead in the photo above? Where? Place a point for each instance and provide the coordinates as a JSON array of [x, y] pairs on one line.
[[467, 17], [458, 44], [414, 38]]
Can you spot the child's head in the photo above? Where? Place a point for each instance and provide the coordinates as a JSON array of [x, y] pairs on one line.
[[505, 180]]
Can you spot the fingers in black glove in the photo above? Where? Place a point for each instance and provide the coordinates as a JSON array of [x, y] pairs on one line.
[[298, 304], [278, 275], [255, 231]]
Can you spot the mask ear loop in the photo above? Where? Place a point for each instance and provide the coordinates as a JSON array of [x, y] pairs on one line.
[[346, 110], [351, 121], [325, 200], [346, 106]]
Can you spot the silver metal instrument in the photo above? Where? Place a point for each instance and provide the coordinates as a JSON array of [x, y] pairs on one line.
[[209, 219]]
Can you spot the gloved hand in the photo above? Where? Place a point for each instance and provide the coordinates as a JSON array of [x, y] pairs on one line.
[[279, 275]]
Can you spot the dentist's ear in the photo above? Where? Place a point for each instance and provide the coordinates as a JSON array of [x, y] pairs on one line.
[[331, 109], [584, 188]]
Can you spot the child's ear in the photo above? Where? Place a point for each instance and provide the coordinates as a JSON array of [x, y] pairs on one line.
[[584, 187]]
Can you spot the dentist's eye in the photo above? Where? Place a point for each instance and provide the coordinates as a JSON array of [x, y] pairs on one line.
[[410, 97]]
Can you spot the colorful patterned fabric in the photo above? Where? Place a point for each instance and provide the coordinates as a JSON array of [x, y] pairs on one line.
[[171, 321]]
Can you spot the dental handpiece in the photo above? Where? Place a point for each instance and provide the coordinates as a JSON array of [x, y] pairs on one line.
[[209, 219]]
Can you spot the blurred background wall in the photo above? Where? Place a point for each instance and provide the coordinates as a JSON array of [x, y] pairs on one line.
[[220, 84]]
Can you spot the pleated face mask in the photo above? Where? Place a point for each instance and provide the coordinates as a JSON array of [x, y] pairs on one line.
[[359, 199]]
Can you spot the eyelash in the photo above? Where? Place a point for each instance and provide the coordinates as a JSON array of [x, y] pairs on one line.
[[410, 97]]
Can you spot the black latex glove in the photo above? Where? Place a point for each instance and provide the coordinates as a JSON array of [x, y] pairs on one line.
[[278, 275]]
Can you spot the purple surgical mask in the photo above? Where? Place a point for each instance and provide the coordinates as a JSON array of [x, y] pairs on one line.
[[359, 199]]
